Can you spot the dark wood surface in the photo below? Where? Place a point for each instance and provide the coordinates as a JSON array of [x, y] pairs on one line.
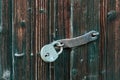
[[27, 25]]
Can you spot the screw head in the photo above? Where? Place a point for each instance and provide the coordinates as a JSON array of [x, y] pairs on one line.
[[23, 23], [42, 10], [74, 72], [111, 15]]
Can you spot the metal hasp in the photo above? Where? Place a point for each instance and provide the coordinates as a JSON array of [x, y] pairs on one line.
[[80, 40], [50, 52]]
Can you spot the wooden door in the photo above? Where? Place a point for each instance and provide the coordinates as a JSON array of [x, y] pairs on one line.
[[27, 25]]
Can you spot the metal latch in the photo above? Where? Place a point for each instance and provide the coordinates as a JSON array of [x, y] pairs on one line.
[[50, 52]]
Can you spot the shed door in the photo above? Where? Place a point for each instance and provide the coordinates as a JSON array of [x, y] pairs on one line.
[[27, 25]]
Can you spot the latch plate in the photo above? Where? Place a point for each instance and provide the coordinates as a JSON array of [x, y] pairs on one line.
[[80, 40]]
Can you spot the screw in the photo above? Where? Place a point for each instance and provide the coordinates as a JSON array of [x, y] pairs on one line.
[[81, 60], [30, 10], [74, 72], [31, 54], [111, 15], [22, 23], [42, 10]]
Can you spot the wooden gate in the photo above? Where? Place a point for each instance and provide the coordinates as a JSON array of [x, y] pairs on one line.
[[27, 25]]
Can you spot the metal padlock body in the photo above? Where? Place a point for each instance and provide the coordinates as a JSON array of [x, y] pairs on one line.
[[49, 53]]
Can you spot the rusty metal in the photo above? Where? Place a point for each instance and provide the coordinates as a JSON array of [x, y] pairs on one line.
[[80, 40], [49, 54]]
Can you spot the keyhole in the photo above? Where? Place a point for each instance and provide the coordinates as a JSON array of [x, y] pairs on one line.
[[47, 54]]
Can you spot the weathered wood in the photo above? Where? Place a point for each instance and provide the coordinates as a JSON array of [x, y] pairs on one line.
[[117, 42], [113, 43], [27, 25], [103, 53], [59, 18], [21, 37], [41, 37], [62, 30], [5, 40], [109, 57], [78, 58], [85, 58], [31, 30], [51, 34], [110, 38], [93, 48]]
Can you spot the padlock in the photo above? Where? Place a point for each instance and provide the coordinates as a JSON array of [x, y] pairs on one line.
[[48, 52]]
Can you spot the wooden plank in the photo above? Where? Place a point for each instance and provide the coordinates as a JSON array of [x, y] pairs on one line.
[[85, 58], [21, 41], [110, 43], [79, 55], [51, 13], [58, 29], [5, 51], [93, 48], [41, 37], [109, 40], [117, 42], [1, 63], [62, 30], [103, 42], [30, 39], [113, 43]]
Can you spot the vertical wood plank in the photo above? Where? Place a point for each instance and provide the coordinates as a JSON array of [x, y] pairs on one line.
[[41, 37], [110, 43], [5, 40], [93, 48], [113, 41], [117, 42], [103, 41], [21, 41], [62, 30], [79, 56], [85, 58], [31, 32], [51, 13], [109, 40], [0, 38]]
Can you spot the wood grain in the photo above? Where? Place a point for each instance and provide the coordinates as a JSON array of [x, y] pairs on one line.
[[62, 30], [27, 25], [85, 58], [21, 41], [41, 37], [117, 38], [5, 40]]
